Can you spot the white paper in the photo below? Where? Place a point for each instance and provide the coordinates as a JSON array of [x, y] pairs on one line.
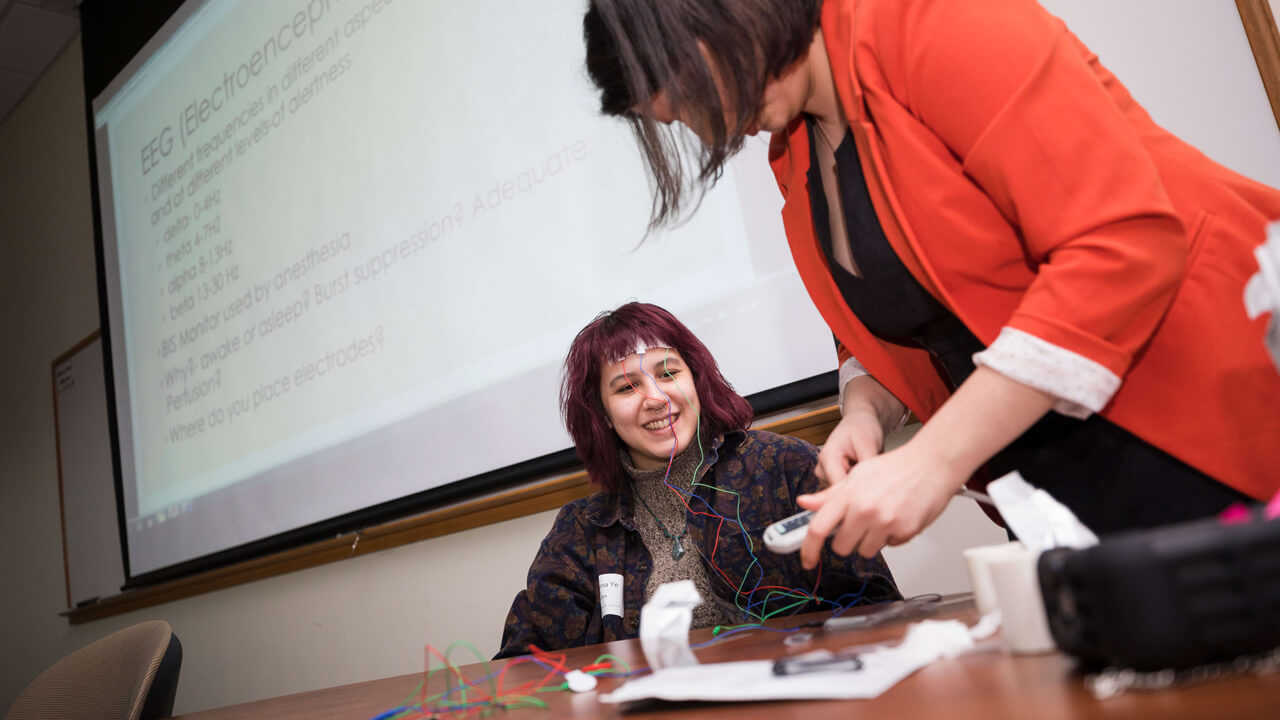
[[882, 668], [664, 625]]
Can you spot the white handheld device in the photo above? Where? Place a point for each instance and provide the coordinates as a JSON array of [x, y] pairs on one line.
[[787, 535]]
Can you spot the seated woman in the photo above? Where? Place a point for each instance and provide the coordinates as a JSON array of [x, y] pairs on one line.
[[684, 492]]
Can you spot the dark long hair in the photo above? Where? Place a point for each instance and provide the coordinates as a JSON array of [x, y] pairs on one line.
[[637, 47], [615, 334]]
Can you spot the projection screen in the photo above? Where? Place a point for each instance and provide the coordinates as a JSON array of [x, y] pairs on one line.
[[346, 245]]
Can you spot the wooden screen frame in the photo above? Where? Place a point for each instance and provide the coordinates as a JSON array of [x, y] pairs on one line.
[[1264, 38], [812, 426]]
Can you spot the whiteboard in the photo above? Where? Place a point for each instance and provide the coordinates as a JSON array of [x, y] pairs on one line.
[[90, 533]]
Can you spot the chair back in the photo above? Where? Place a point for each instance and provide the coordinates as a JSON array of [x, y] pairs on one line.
[[128, 675]]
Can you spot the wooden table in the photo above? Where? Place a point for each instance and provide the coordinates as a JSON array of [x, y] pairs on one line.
[[986, 684]]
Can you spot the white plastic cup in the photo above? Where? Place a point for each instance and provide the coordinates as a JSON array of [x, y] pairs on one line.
[[978, 562], [1024, 625]]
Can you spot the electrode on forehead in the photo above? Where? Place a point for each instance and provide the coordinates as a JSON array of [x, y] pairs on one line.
[[641, 348]]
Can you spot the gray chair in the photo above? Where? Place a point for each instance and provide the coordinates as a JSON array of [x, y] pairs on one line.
[[128, 675]]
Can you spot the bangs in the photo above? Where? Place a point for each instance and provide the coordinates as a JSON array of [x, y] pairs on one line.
[[621, 340], [616, 334], [636, 48]]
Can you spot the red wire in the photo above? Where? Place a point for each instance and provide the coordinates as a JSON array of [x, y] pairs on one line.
[[528, 687], [683, 501], [448, 667], [481, 699]]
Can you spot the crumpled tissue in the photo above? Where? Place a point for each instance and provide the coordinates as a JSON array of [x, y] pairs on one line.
[[1262, 292], [664, 625], [1038, 520]]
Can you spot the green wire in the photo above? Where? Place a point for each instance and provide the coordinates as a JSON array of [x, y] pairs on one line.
[[613, 659], [737, 508], [496, 701]]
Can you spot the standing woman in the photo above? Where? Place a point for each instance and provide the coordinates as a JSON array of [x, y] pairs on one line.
[[684, 491], [993, 229]]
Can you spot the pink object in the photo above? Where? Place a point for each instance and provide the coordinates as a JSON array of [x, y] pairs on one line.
[[1238, 513], [1273, 508]]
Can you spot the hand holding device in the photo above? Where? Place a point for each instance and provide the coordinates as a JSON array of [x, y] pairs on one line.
[[787, 535]]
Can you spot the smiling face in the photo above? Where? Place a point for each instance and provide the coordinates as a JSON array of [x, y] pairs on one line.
[[651, 402]]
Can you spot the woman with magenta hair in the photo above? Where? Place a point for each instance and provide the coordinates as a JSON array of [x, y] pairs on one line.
[[684, 491], [1001, 239]]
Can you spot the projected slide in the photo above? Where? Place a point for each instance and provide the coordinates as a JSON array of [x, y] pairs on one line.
[[349, 243]]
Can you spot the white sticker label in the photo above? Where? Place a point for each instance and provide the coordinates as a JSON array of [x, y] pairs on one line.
[[641, 349], [611, 594]]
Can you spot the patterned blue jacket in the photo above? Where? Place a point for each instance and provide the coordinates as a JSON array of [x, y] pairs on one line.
[[753, 476]]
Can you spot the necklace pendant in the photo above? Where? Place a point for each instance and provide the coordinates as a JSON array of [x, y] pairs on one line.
[[677, 549]]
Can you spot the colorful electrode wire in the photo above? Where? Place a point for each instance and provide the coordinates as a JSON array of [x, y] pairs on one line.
[[462, 699], [753, 607]]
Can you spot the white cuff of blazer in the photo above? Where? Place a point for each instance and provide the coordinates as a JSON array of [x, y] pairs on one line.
[[1082, 386], [851, 369]]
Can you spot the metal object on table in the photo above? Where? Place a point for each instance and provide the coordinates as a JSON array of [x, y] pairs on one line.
[[818, 661], [800, 638], [912, 607]]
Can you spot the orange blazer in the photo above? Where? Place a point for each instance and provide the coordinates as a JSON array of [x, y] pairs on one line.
[[1023, 186]]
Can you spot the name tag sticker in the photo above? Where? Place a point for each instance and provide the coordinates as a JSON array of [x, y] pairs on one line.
[[610, 594]]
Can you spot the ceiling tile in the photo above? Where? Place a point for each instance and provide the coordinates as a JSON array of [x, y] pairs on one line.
[[30, 38]]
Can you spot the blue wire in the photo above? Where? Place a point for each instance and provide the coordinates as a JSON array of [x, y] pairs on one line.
[[735, 631], [546, 666], [753, 606], [746, 538]]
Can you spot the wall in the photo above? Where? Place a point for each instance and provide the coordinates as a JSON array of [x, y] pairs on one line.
[[368, 617], [47, 302], [1190, 66], [350, 621]]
